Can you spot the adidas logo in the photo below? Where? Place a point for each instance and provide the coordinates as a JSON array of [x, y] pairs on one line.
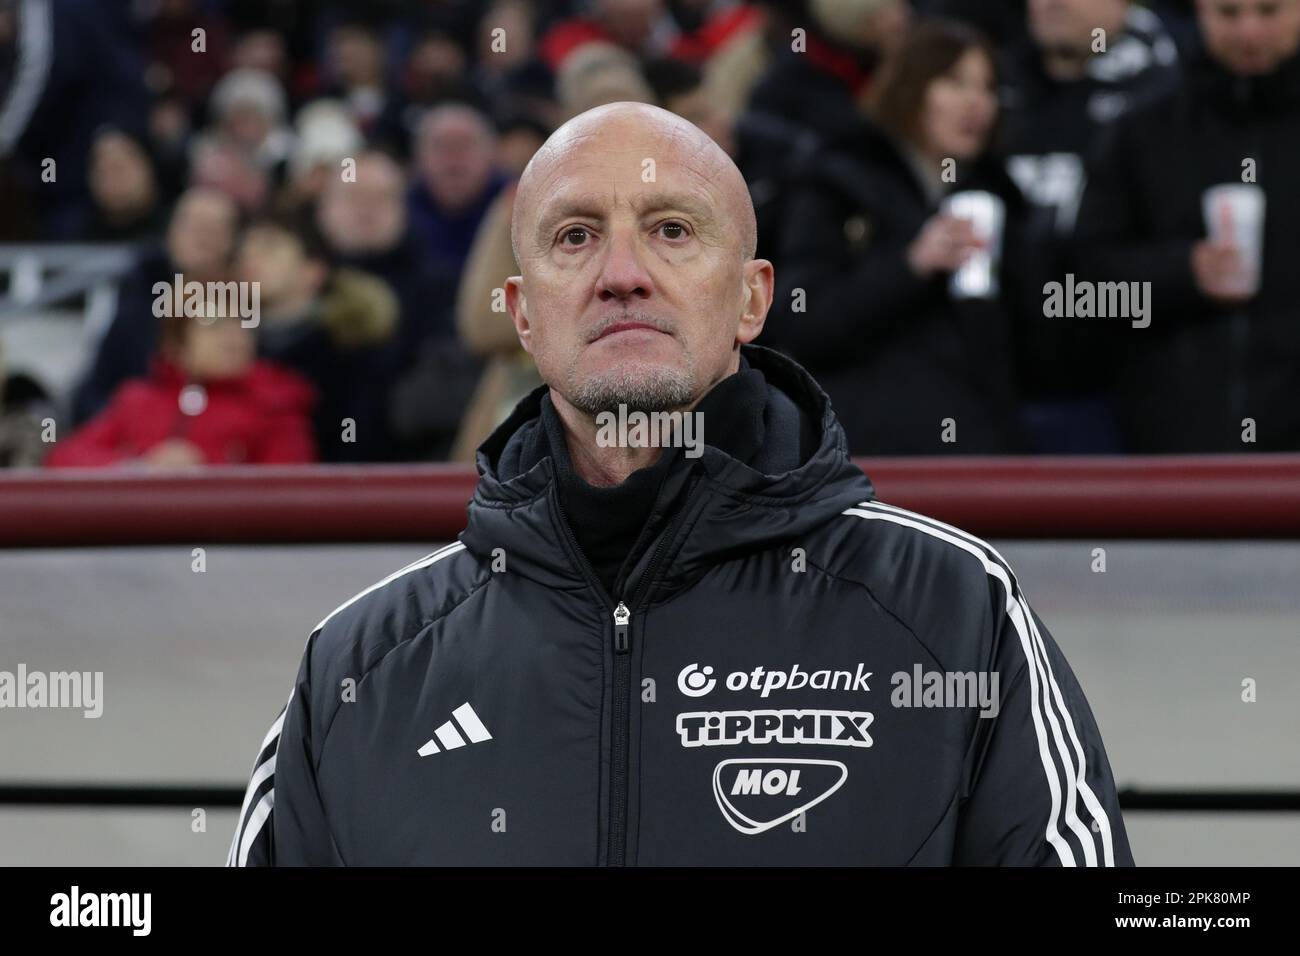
[[448, 737]]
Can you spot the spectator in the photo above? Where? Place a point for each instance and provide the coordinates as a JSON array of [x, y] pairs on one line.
[[641, 27], [870, 252], [819, 86], [679, 87], [20, 426], [507, 68], [1060, 92], [263, 50], [86, 72], [199, 244], [599, 73], [326, 324], [485, 331], [326, 136], [809, 95], [519, 136], [1179, 18], [1215, 354], [1003, 21], [175, 64], [223, 167], [354, 63], [250, 113], [456, 181], [438, 71], [739, 59], [207, 400], [124, 187], [365, 225]]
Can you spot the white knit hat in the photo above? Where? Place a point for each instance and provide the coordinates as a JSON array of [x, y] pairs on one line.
[[256, 87]]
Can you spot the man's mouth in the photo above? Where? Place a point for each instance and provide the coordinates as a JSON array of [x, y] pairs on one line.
[[627, 327]]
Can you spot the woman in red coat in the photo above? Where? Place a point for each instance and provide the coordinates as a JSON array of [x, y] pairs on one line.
[[208, 400]]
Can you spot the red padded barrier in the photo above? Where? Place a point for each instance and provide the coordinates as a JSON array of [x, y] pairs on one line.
[[1230, 496]]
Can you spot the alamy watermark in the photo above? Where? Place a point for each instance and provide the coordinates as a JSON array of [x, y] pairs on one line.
[[82, 690], [1082, 299], [919, 688], [208, 301], [129, 910], [639, 429]]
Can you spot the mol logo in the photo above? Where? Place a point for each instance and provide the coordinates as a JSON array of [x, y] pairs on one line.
[[758, 793]]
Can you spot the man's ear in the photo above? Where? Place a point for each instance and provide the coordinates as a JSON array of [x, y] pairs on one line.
[[759, 279], [517, 306]]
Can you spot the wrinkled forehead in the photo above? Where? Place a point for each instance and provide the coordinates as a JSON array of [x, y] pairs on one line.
[[622, 167]]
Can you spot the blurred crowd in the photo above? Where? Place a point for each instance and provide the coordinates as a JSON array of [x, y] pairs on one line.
[[357, 163]]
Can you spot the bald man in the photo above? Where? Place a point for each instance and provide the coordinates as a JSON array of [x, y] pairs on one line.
[[679, 628]]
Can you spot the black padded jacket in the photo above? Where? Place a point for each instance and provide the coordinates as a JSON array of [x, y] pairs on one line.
[[792, 673]]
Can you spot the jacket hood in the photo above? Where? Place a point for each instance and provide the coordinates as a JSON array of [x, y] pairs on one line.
[[731, 507]]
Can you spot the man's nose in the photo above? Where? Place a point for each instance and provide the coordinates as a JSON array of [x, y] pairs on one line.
[[622, 274]]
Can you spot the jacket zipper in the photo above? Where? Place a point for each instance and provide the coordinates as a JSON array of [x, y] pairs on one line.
[[622, 722], [617, 855], [622, 691]]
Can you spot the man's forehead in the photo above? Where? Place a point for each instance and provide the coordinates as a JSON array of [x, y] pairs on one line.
[[630, 156], [626, 177]]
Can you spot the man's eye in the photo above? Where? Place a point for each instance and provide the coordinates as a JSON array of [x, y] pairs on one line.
[[679, 230], [577, 231]]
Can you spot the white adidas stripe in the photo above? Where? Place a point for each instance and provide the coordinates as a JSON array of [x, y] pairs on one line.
[[449, 736], [1089, 797], [259, 817], [423, 562], [263, 770], [1018, 613], [470, 723]]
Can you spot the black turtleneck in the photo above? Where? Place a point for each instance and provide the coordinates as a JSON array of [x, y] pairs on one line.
[[613, 525]]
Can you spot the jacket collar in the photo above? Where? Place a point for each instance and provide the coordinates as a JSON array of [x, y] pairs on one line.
[[1244, 97], [732, 507]]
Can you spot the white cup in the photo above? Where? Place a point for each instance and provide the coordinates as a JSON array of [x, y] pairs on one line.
[[1234, 214], [978, 276]]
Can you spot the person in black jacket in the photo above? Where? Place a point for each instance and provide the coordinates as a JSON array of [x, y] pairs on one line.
[[714, 649], [1082, 65], [1217, 370], [867, 255], [330, 324]]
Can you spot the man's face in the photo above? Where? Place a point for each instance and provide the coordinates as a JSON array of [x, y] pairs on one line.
[[277, 261], [358, 56], [1067, 25], [367, 216], [201, 233], [634, 292], [1250, 37], [120, 176], [455, 156]]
